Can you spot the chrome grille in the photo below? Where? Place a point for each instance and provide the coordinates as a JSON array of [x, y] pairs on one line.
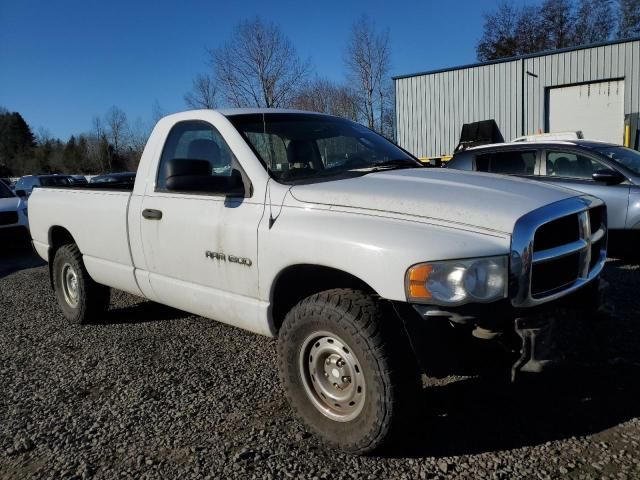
[[557, 249]]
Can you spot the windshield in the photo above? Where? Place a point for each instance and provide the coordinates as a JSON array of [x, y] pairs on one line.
[[5, 192], [623, 156], [301, 147], [54, 181]]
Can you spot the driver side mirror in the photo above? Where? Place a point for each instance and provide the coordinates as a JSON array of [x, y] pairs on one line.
[[188, 175], [607, 176], [21, 193]]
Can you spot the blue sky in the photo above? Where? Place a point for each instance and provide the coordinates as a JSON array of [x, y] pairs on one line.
[[64, 61]]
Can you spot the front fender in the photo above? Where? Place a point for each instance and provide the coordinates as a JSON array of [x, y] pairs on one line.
[[633, 211], [376, 249]]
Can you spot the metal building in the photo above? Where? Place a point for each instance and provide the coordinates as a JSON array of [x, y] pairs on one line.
[[595, 89]]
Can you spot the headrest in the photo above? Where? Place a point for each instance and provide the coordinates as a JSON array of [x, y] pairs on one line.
[[204, 149]]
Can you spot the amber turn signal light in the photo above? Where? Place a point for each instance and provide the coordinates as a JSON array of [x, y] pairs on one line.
[[416, 282]]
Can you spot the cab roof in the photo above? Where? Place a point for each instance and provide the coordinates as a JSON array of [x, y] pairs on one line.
[[227, 112], [590, 144]]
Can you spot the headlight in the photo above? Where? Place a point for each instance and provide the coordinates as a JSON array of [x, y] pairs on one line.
[[457, 282]]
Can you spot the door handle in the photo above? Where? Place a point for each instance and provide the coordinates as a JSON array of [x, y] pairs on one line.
[[151, 214]]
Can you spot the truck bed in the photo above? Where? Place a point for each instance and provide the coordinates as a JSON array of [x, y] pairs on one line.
[[111, 186], [98, 219]]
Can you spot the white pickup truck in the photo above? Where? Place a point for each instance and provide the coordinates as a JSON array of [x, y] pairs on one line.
[[318, 231]]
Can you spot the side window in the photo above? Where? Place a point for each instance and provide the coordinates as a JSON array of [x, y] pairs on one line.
[[483, 162], [519, 162], [571, 165], [195, 140]]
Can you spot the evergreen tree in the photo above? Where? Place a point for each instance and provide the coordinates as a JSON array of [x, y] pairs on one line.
[[16, 141]]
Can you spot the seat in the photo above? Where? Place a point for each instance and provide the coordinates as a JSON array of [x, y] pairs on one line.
[[584, 168], [204, 149], [510, 164], [304, 154], [550, 168], [563, 167]]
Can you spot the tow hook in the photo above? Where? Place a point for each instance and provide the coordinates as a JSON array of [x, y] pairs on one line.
[[537, 335]]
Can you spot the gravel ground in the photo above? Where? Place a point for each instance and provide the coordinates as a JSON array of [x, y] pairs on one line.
[[152, 392]]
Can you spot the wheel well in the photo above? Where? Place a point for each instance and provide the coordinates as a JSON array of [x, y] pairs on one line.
[[300, 281], [58, 236]]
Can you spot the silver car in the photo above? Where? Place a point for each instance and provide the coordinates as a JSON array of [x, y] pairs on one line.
[[14, 222], [608, 171], [25, 185]]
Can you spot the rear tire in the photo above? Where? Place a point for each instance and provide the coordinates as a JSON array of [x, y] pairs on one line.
[[346, 369], [81, 299]]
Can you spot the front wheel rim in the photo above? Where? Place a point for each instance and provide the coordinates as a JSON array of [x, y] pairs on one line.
[[70, 285], [332, 376]]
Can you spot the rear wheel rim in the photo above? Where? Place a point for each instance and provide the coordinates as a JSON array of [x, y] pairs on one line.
[[70, 285], [332, 376]]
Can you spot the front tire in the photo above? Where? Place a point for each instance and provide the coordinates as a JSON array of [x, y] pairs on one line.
[[345, 370], [81, 299]]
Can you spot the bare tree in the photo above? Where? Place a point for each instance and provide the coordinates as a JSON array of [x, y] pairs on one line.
[[98, 126], [530, 36], [629, 19], [203, 93], [367, 59], [499, 33], [322, 95], [552, 24], [96, 153], [117, 128], [138, 134], [157, 112], [99, 145], [558, 20], [594, 22], [258, 66], [43, 135]]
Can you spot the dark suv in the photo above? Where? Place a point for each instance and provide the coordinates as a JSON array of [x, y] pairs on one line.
[[604, 170]]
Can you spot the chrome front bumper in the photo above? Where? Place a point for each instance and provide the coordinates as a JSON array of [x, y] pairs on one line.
[[523, 255]]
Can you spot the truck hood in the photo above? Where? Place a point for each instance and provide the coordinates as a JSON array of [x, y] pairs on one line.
[[9, 204], [485, 201]]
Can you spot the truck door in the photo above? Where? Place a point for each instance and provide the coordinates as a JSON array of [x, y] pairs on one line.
[[200, 248], [573, 169]]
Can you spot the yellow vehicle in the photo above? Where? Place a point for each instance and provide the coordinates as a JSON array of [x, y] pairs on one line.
[[436, 161]]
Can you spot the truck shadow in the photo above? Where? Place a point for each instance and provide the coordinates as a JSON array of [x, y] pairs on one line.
[[475, 416], [143, 312], [17, 256]]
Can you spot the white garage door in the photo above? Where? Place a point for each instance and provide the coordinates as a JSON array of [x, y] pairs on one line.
[[595, 108]]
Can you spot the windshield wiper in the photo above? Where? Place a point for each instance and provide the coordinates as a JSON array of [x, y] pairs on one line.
[[401, 163], [389, 165]]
